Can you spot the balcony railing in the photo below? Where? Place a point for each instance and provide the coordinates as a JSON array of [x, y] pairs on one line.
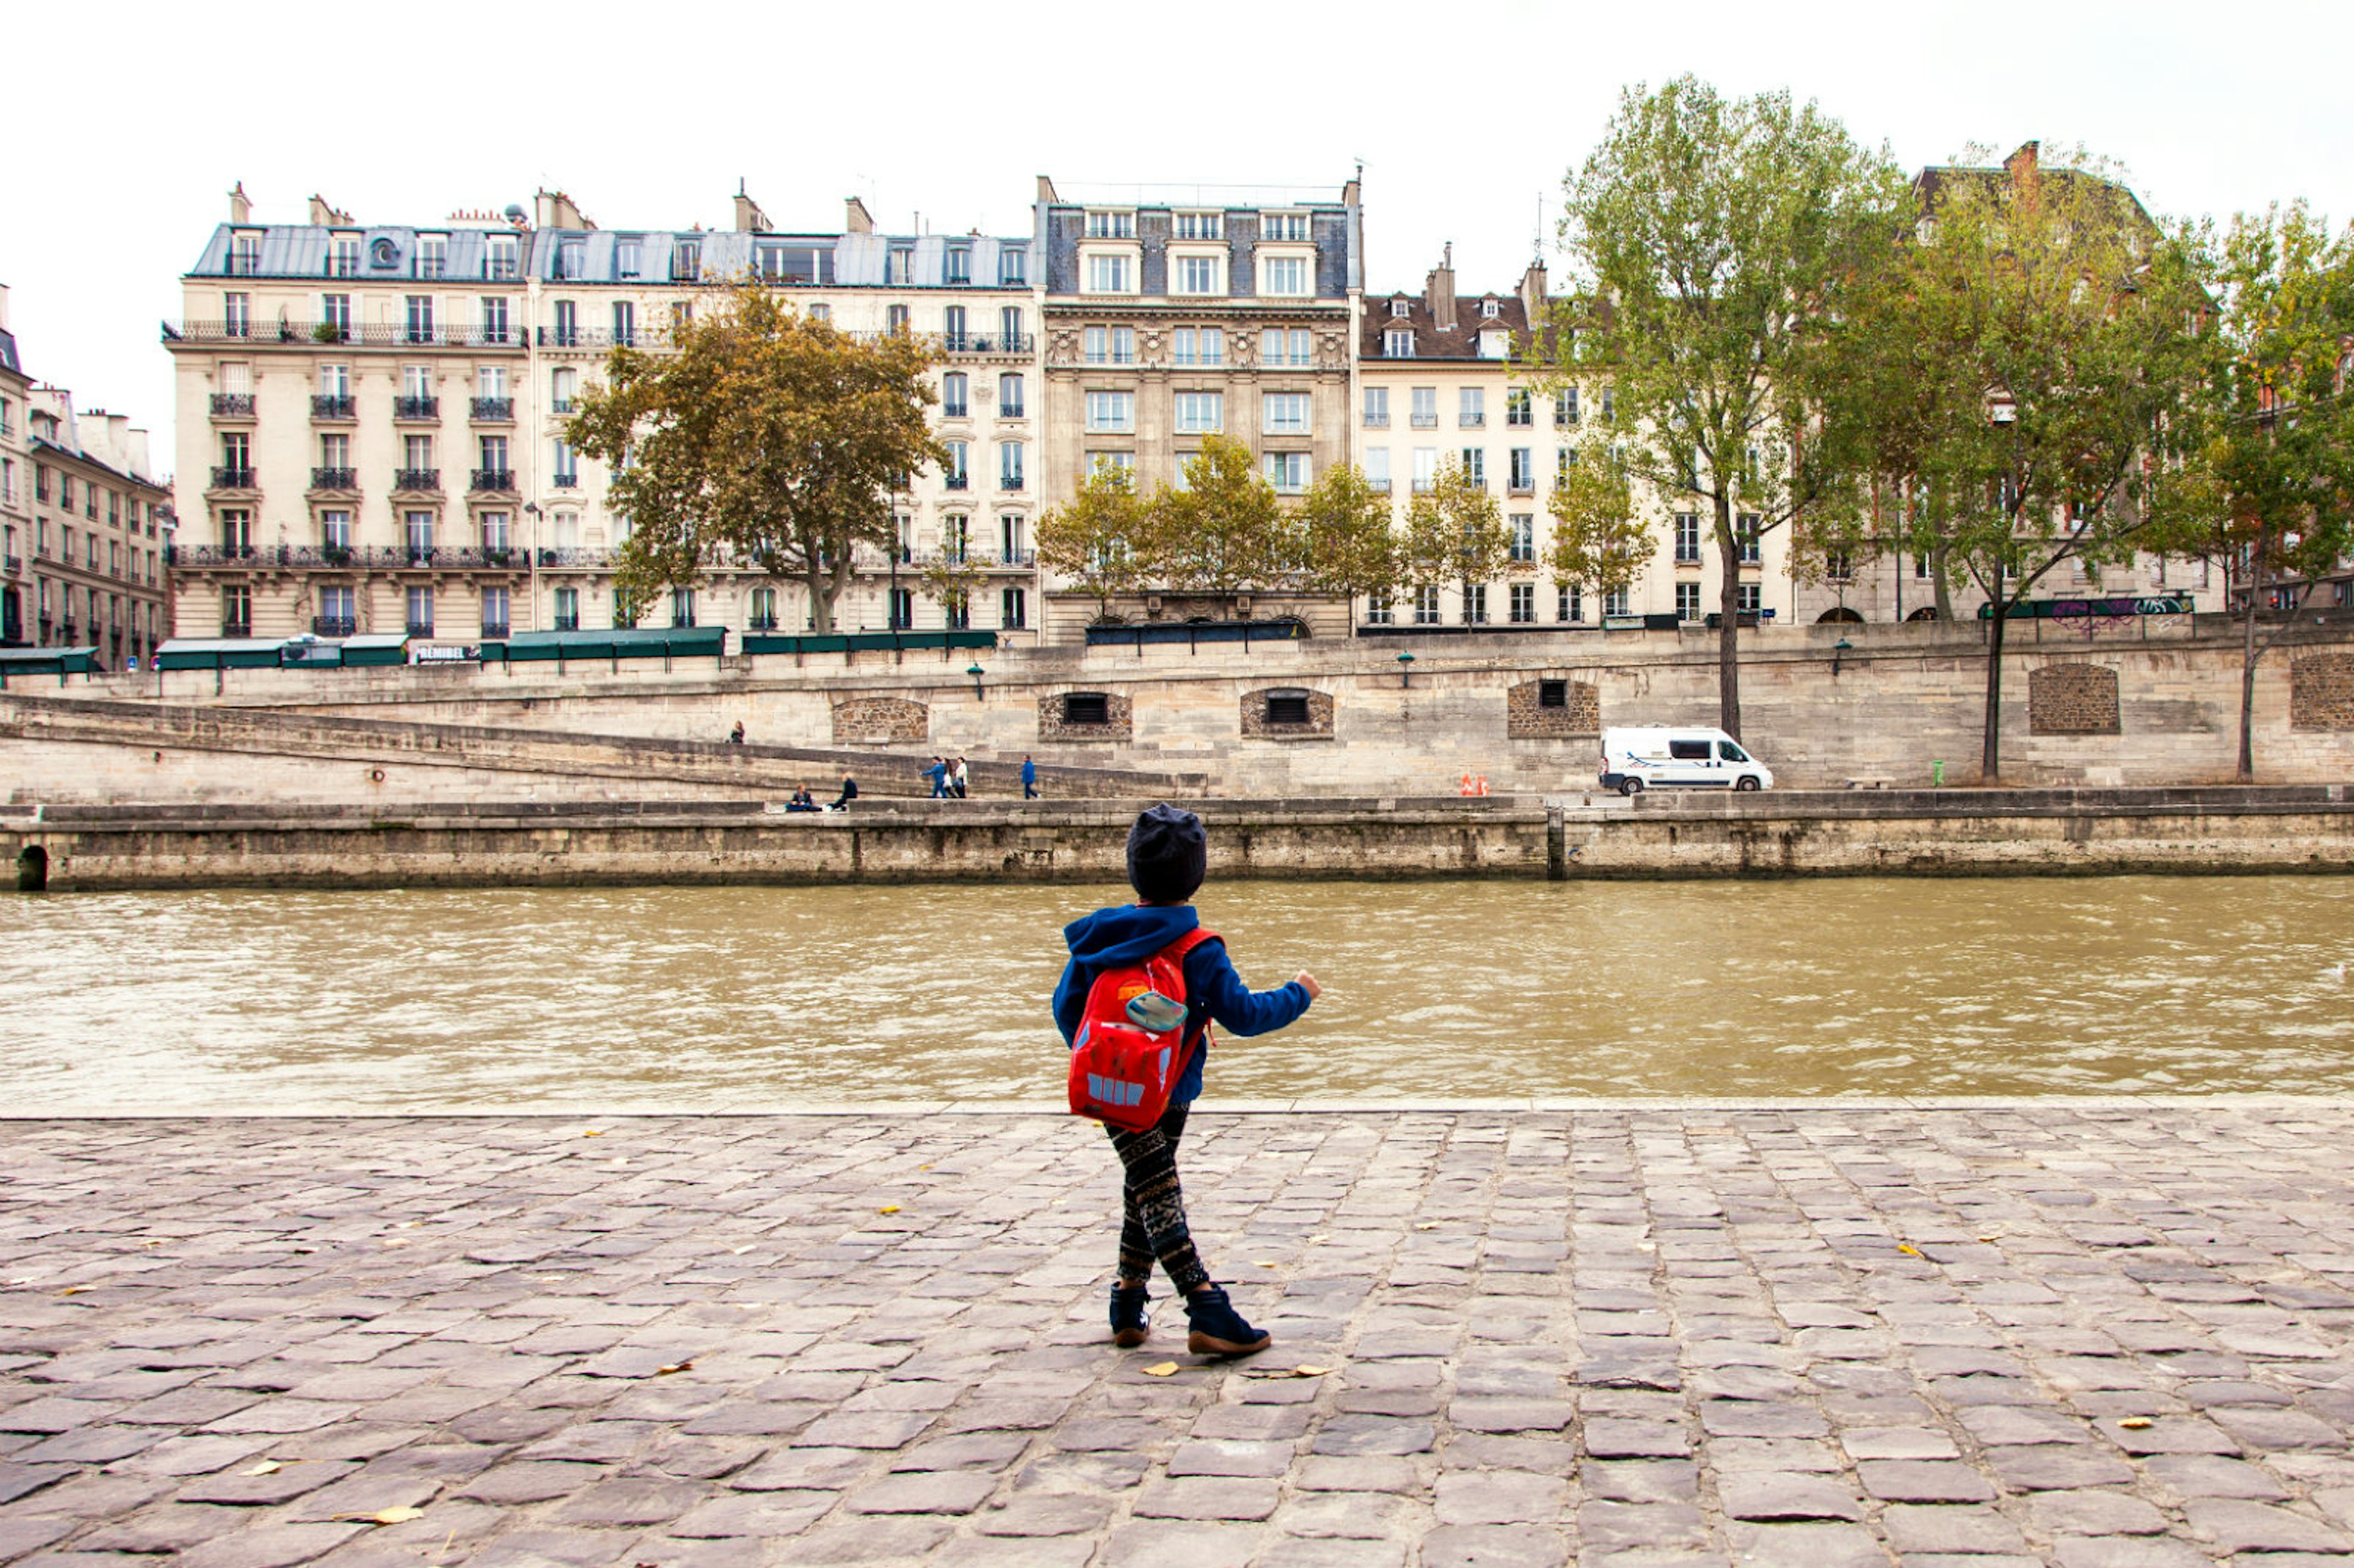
[[494, 631], [569, 622], [1377, 421], [417, 479], [332, 406], [492, 479], [228, 628], [495, 410], [420, 629], [564, 481], [601, 337], [233, 405], [986, 342], [334, 626], [345, 557], [576, 557], [1017, 558], [955, 481], [417, 408], [376, 334], [1471, 422], [1010, 482], [761, 623], [227, 478], [559, 405], [12, 564], [1426, 421], [335, 479]]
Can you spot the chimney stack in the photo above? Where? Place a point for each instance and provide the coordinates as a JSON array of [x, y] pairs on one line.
[[855, 219], [324, 216], [556, 210], [749, 218], [240, 210], [1439, 291], [1532, 294], [3, 307]]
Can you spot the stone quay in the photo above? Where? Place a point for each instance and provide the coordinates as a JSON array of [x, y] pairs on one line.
[[1964, 1335]]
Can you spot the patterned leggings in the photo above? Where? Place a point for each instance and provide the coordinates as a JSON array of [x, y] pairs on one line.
[[1152, 1206]]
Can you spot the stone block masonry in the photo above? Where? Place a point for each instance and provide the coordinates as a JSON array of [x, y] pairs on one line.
[[2321, 691], [2049, 1332], [880, 720], [2072, 699], [1553, 707]]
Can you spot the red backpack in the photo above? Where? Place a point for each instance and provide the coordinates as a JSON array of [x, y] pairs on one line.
[[1125, 1058]]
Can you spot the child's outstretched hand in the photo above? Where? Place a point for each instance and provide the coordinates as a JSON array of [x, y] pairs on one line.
[[1307, 982]]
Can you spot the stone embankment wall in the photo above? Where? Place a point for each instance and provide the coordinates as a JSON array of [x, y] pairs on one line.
[[2134, 705], [76, 750], [1950, 833]]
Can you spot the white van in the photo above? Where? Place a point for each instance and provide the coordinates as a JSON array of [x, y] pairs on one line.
[[1654, 756]]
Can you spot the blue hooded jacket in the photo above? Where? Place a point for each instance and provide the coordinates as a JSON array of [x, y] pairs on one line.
[[1129, 934]]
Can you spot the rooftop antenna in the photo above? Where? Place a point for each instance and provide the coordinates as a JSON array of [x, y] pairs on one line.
[[1536, 234]]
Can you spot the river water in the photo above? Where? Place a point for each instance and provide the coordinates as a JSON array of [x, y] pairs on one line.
[[1435, 991]]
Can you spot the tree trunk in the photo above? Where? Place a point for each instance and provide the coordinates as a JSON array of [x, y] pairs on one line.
[[820, 602], [1728, 632], [1990, 756], [1943, 583]]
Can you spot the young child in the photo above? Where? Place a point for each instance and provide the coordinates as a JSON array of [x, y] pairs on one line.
[[1168, 854]]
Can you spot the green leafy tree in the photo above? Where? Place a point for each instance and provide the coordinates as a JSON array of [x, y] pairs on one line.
[[1099, 541], [1227, 532], [1599, 540], [1707, 239], [1455, 533], [1347, 541], [2045, 333], [759, 435], [2266, 487]]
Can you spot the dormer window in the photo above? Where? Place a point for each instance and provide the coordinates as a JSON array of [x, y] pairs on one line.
[[628, 253], [1283, 226], [1397, 343], [343, 256], [1490, 309], [958, 264], [502, 256], [571, 258], [244, 255], [1200, 225], [1104, 223], [433, 255], [1401, 307], [899, 267]]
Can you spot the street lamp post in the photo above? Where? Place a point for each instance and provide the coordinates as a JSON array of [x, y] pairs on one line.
[[1405, 670]]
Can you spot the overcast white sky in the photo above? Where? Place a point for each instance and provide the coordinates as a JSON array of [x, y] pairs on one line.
[[133, 126]]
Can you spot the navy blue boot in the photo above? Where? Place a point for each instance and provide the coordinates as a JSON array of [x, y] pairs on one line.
[[1218, 1329], [1128, 1326]]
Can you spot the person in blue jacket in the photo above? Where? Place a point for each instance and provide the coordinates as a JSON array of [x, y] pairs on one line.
[[938, 774], [1167, 855]]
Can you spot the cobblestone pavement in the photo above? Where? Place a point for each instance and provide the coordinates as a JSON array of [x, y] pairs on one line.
[[2097, 1336]]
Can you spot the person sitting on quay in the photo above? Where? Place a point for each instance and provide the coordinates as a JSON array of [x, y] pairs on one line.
[[802, 799], [849, 793], [736, 735]]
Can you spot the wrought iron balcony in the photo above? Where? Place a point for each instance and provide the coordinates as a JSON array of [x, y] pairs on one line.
[[569, 622], [1425, 421], [1010, 482], [334, 626], [1471, 422], [955, 481], [374, 334], [335, 479], [560, 405], [12, 564], [417, 408], [228, 478], [420, 629], [417, 479], [494, 631], [761, 623], [564, 481], [988, 342], [332, 406], [493, 479], [495, 410], [1017, 558], [233, 405], [228, 628], [576, 557], [1377, 421]]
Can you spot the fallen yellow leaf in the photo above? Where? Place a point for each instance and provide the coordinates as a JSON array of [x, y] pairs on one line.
[[383, 1515], [675, 1367], [2137, 1423], [1288, 1372], [592, 1132], [1163, 1368], [1914, 1250], [1264, 1263], [1425, 1224], [267, 1468], [73, 1290], [888, 1209]]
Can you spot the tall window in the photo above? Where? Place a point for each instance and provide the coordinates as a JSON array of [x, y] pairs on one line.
[[1524, 603], [1569, 603], [954, 474], [1112, 411], [1009, 327], [496, 605], [433, 255], [1524, 538], [955, 396], [625, 322], [1111, 274], [1688, 602], [764, 610], [1292, 226], [420, 612], [417, 527], [1197, 275], [899, 265], [1200, 413], [1517, 411], [1615, 603], [1012, 265], [1426, 468], [237, 611], [1014, 609], [1745, 534], [1009, 465], [336, 528], [1687, 537], [895, 318], [1377, 407], [1565, 408], [1294, 348], [566, 466], [563, 386], [958, 266], [337, 611], [335, 316], [236, 533], [500, 252], [1287, 471], [1471, 410], [682, 607], [1008, 395], [567, 609], [1377, 468], [1523, 474], [1746, 599], [953, 326], [495, 532], [1283, 276], [571, 258], [237, 315], [1009, 538], [1475, 467], [568, 324], [343, 256], [1425, 407], [420, 318], [1199, 345], [1426, 606]]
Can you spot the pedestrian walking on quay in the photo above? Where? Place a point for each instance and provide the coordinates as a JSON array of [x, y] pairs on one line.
[[937, 773], [1029, 779], [1167, 855], [963, 779]]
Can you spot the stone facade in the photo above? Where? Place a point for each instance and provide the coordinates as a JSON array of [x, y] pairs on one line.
[[1119, 721], [1260, 707], [880, 720], [1527, 717], [2072, 699], [2321, 691]]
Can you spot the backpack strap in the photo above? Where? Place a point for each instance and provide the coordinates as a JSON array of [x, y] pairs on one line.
[[1176, 953]]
